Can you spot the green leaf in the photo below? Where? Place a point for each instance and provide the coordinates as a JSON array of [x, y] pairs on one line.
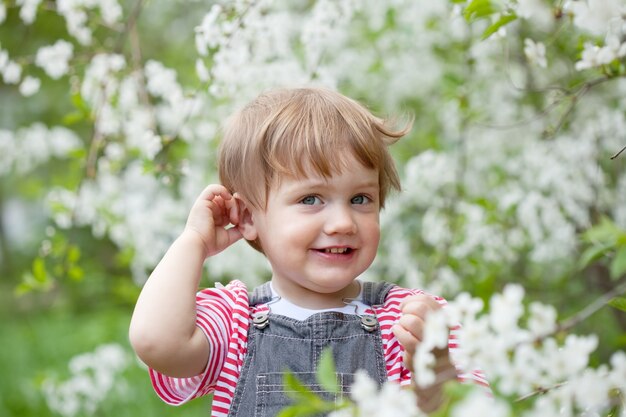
[[606, 232], [25, 286], [79, 103], [73, 254], [618, 265], [503, 21], [326, 374], [593, 253], [73, 118], [297, 390], [306, 401], [478, 9], [39, 270], [618, 303], [297, 410], [76, 273]]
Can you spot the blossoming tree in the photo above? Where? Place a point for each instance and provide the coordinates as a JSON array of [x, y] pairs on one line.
[[513, 171]]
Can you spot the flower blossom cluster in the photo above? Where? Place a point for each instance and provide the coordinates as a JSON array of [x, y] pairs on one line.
[[54, 59], [93, 375], [516, 348], [75, 13], [600, 18], [32, 146], [491, 193]]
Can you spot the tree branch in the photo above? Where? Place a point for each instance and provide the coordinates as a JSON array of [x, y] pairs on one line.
[[592, 308]]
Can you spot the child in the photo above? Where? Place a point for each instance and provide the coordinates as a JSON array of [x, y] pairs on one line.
[[304, 173]]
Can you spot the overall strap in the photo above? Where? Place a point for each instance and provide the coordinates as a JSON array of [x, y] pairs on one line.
[[260, 295], [374, 293]]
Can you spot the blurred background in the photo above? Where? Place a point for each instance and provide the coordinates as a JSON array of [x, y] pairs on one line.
[[110, 114]]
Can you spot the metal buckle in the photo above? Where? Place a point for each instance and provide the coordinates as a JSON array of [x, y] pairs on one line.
[[369, 322], [260, 320]]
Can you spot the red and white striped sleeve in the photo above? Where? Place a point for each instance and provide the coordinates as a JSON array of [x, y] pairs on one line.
[[388, 314], [219, 317]]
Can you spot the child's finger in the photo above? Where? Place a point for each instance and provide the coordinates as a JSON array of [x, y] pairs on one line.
[[412, 324], [233, 235], [419, 305], [232, 206], [218, 211], [214, 190], [406, 339]]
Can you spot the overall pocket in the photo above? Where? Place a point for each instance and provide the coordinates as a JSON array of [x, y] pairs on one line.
[[273, 395]]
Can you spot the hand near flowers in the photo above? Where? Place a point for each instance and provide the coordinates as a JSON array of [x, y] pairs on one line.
[[410, 332]]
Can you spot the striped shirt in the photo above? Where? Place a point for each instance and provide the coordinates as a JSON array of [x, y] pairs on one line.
[[223, 315]]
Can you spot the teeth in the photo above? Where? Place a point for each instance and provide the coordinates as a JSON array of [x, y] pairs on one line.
[[336, 250]]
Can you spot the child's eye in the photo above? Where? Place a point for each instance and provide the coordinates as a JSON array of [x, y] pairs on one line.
[[310, 200], [360, 199]]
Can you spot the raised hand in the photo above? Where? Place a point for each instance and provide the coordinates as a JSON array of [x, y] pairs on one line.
[[211, 214], [410, 332]]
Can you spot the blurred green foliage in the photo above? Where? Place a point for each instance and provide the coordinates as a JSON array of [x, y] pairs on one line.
[[36, 346], [74, 292]]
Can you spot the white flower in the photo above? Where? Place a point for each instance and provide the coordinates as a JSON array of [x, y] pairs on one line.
[[54, 59], [479, 404], [344, 412], [506, 308], [435, 333], [201, 70], [562, 362], [208, 34], [618, 373], [151, 144], [110, 10], [28, 10], [523, 373], [93, 375], [3, 12], [535, 52], [595, 16], [161, 81], [75, 19], [390, 401], [542, 320], [29, 86], [465, 307], [394, 401], [4, 59], [12, 72], [363, 387], [535, 10], [423, 364], [613, 49], [591, 388]]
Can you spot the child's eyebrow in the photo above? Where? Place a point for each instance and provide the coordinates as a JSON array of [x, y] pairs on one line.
[[318, 183]]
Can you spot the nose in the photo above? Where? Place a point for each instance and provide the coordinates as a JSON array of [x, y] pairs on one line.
[[340, 220]]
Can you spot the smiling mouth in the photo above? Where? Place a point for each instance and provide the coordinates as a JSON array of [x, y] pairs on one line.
[[341, 251]]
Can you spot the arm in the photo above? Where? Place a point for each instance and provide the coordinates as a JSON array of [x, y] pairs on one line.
[[163, 329], [409, 332]]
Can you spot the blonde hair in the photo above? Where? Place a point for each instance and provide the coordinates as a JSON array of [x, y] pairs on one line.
[[295, 131]]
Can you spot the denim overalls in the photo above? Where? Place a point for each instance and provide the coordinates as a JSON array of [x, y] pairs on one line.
[[277, 343]]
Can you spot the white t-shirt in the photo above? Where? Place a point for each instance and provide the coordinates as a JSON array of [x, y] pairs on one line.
[[286, 308]]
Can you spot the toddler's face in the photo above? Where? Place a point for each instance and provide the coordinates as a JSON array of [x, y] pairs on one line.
[[320, 233]]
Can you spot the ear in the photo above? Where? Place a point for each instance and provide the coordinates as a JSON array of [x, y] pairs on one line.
[[246, 221]]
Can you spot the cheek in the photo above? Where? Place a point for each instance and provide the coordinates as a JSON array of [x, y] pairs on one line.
[[293, 229], [372, 234]]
